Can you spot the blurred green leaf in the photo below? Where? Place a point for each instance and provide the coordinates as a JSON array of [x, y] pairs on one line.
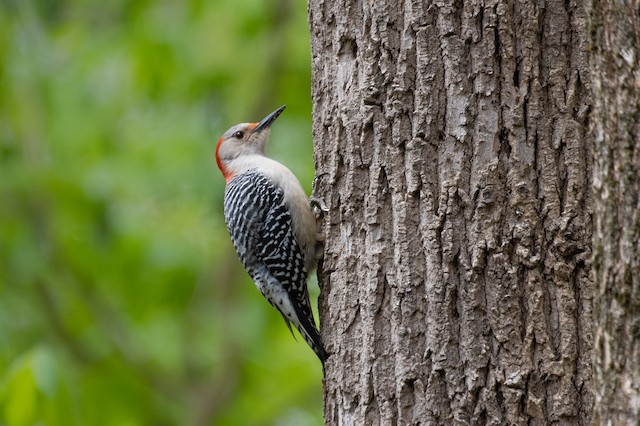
[[20, 396]]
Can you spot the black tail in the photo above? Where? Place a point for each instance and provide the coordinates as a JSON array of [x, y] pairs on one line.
[[313, 339], [310, 333]]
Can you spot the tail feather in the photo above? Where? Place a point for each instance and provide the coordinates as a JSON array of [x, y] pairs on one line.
[[314, 340], [286, 321], [310, 333], [296, 310]]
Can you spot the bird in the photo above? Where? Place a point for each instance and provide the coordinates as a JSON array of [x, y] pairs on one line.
[[271, 224]]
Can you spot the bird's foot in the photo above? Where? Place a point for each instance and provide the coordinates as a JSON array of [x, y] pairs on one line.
[[319, 207]]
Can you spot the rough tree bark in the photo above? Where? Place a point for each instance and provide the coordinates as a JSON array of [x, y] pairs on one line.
[[615, 63], [452, 154]]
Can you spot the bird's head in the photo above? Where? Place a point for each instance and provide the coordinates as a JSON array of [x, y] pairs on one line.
[[244, 139]]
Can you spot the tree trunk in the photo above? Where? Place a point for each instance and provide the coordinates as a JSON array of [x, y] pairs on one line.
[[452, 154], [615, 63]]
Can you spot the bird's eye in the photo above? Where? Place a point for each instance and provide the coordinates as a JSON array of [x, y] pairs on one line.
[[239, 134]]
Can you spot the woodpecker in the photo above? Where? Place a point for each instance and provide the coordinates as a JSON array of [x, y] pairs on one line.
[[271, 224]]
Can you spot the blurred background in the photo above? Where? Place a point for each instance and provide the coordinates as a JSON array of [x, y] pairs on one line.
[[122, 301]]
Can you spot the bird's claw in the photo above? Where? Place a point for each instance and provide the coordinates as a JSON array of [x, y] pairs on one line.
[[318, 206]]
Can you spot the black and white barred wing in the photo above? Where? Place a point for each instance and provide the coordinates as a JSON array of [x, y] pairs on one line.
[[260, 226]]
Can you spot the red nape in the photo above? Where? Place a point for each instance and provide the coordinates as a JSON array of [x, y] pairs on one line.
[[223, 169]]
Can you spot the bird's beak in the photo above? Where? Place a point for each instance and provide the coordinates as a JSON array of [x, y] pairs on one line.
[[268, 120]]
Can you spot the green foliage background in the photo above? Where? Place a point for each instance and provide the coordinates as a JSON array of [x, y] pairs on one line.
[[122, 301]]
